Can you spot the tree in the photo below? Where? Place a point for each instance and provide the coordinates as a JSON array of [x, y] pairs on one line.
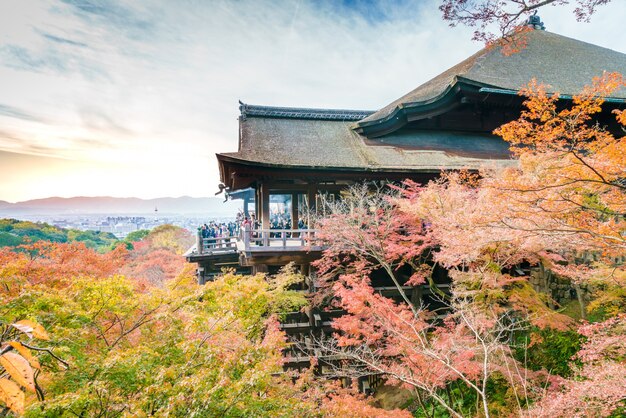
[[563, 206], [372, 236], [137, 235], [366, 229], [572, 168], [156, 258], [509, 16], [134, 348]]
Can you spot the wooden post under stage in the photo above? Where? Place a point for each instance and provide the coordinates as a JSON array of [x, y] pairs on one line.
[[265, 206], [259, 268], [294, 211]]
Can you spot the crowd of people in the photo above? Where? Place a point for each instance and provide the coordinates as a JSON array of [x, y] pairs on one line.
[[215, 229], [219, 229], [277, 221]]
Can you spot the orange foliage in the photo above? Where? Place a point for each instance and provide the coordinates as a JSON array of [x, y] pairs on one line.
[[570, 181], [565, 199], [350, 405], [51, 263]]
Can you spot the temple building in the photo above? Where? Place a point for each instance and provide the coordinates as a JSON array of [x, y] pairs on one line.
[[290, 158]]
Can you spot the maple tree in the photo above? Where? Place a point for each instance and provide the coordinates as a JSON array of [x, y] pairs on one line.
[[128, 346], [371, 238], [365, 229], [562, 207], [598, 389]]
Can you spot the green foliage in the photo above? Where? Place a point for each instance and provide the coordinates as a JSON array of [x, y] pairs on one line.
[[548, 349], [9, 240], [285, 297], [463, 399], [14, 232], [136, 235], [98, 240], [171, 237], [609, 297]]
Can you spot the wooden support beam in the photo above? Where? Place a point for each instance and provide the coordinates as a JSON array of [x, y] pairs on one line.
[[259, 268], [294, 211], [416, 296], [311, 193], [265, 206], [246, 212], [257, 201]]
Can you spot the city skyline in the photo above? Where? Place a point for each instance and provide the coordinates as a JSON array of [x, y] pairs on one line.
[[129, 99]]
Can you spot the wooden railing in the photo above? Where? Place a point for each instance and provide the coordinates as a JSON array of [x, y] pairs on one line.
[[257, 239], [216, 245], [277, 238]]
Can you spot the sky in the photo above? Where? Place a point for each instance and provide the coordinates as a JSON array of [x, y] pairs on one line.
[[134, 98]]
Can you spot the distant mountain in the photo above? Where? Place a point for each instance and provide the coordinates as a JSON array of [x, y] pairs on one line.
[[212, 206]]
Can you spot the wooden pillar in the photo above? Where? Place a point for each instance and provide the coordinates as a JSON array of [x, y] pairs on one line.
[[201, 276], [257, 201], [265, 207], [294, 211], [259, 268], [246, 212], [311, 193], [247, 234], [416, 296], [199, 242]]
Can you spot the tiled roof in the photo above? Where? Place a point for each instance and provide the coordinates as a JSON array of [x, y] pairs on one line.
[[566, 64], [291, 142]]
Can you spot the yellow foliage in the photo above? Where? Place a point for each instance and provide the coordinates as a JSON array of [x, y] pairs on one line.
[[19, 369], [25, 352], [32, 328], [12, 396]]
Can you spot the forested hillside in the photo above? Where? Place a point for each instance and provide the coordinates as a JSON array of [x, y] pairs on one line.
[[14, 232]]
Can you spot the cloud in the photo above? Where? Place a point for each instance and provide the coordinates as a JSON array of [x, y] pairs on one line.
[[50, 60], [61, 40], [114, 14], [21, 58], [17, 142], [14, 112]]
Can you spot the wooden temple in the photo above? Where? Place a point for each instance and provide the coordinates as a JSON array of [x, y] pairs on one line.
[[290, 158]]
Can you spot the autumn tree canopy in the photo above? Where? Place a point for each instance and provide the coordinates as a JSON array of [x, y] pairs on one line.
[[562, 207]]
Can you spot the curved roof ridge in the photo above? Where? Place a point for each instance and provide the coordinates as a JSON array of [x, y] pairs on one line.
[[248, 110]]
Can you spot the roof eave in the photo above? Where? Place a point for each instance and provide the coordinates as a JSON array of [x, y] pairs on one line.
[[222, 158], [404, 113]]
